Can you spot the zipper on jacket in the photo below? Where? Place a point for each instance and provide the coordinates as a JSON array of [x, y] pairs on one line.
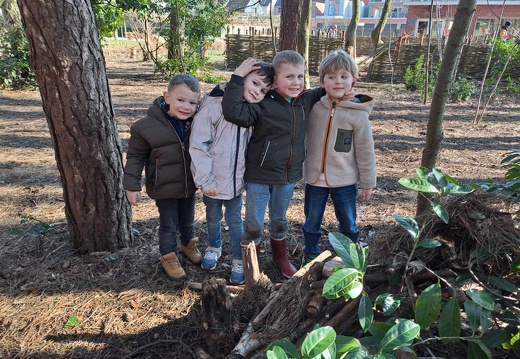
[[237, 149], [327, 136], [156, 174], [295, 120], [265, 153], [186, 135]]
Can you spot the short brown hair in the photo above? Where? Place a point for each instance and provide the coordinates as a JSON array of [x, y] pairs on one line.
[[287, 57], [185, 79], [338, 60], [266, 71]]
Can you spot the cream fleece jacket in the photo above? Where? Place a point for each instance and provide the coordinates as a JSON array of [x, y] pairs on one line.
[[340, 145]]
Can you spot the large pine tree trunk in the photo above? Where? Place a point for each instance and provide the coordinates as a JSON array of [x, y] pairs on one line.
[[68, 61], [434, 131], [290, 26]]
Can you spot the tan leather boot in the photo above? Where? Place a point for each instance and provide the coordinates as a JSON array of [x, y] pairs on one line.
[[192, 252], [172, 267]]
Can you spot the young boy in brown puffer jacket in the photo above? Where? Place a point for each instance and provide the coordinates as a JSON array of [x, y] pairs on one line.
[[159, 142]]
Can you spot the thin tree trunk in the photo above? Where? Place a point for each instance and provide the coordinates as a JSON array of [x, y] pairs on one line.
[[68, 61], [434, 131], [350, 37], [303, 41], [375, 35], [428, 54]]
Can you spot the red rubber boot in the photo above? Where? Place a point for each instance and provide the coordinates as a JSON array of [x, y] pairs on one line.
[[280, 257]]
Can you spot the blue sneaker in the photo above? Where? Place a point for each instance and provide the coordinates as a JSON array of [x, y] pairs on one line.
[[211, 257], [237, 273]]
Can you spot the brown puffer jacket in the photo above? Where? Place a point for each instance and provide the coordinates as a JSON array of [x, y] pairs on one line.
[[155, 145]]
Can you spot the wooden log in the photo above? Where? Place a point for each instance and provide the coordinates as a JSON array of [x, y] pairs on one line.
[[251, 267], [216, 304], [285, 288], [315, 305], [235, 289], [352, 305], [249, 342]]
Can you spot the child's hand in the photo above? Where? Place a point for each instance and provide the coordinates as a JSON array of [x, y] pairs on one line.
[[348, 96], [211, 193], [246, 67], [365, 195], [133, 197]]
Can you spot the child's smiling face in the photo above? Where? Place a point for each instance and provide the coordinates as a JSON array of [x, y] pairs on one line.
[[289, 80], [183, 101], [255, 88]]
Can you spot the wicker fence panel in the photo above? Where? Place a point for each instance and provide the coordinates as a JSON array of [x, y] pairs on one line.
[[394, 61]]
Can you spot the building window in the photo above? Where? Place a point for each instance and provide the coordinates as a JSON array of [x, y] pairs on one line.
[[331, 10]]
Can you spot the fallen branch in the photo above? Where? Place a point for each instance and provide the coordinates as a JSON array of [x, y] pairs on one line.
[[232, 288]]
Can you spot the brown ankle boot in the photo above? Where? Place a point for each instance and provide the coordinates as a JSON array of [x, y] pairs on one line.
[[172, 267], [280, 257], [192, 252]]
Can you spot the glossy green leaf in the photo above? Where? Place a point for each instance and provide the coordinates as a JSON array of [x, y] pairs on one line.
[[318, 341], [441, 179], [482, 298], [418, 184], [401, 334], [390, 305], [449, 321], [341, 245], [477, 350], [276, 353], [358, 353], [354, 289], [287, 346], [365, 312], [514, 342], [429, 243], [503, 284], [378, 329], [409, 224], [358, 256], [423, 172], [460, 189], [345, 344], [473, 312], [336, 286], [428, 306], [494, 338], [441, 212]]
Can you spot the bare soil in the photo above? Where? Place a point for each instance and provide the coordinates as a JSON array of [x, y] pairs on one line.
[[54, 304]]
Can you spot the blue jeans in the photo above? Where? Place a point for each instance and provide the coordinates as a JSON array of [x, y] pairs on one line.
[[344, 200], [175, 214], [259, 196], [233, 216]]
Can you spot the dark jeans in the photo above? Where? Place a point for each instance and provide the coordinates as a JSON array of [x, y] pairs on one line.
[[344, 200], [175, 215]]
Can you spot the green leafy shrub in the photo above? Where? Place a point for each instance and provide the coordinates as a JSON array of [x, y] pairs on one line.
[[15, 71], [461, 90], [414, 77]]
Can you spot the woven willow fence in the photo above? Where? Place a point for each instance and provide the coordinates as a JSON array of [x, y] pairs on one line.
[[396, 58]]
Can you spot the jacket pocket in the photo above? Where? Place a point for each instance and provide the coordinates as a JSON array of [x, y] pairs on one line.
[[343, 140], [263, 154]]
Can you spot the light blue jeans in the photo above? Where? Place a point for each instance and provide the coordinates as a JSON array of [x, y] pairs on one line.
[[233, 215], [259, 197]]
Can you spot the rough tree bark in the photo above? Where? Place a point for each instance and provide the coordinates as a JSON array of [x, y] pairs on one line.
[[434, 132], [290, 26], [305, 32], [68, 61], [350, 36]]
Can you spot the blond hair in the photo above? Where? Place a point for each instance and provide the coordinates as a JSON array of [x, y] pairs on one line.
[[338, 60]]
